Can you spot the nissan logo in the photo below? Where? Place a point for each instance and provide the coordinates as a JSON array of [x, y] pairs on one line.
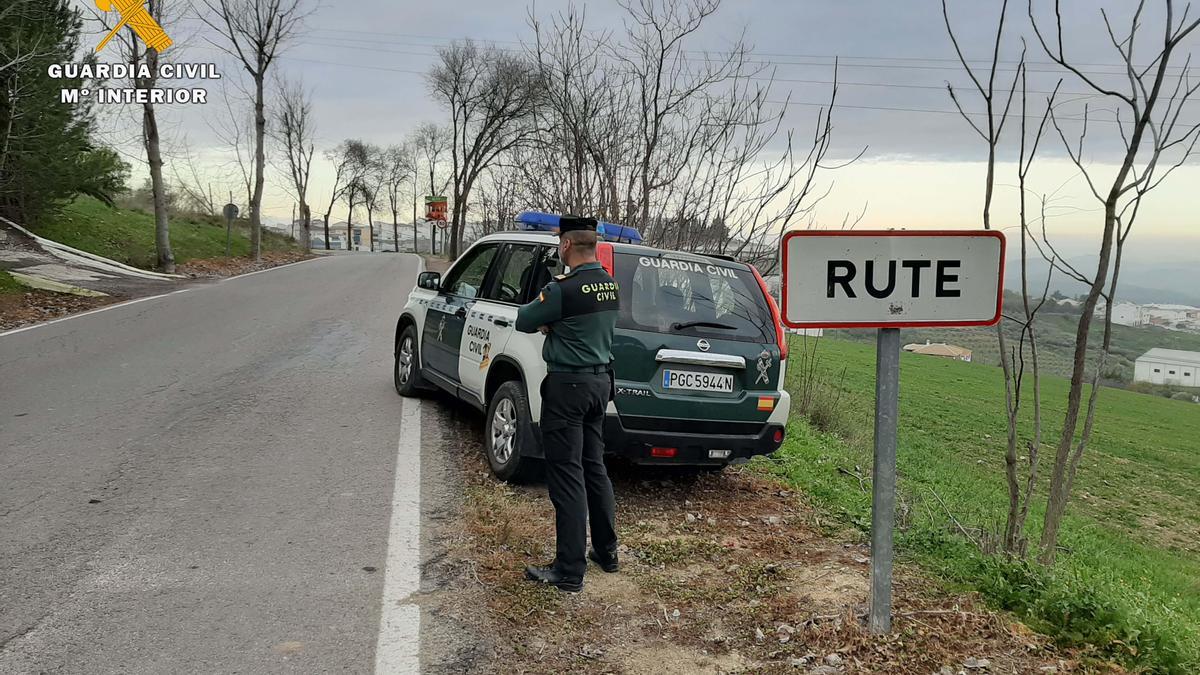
[[702, 344]]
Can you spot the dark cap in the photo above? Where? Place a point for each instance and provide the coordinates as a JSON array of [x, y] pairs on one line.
[[569, 223]]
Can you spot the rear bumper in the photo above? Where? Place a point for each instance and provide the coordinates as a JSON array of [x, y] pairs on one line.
[[690, 449]]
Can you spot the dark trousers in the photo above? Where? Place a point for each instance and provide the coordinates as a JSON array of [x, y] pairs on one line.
[[572, 426]]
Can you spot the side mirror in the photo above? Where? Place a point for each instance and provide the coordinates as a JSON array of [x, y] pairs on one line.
[[429, 280]]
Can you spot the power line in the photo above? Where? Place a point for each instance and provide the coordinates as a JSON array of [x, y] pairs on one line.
[[322, 43], [824, 104], [773, 56]]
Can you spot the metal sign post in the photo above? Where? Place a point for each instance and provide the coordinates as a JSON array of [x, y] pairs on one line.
[[230, 212], [883, 477], [888, 280]]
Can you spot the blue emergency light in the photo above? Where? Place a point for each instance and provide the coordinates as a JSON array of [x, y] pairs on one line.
[[538, 221]]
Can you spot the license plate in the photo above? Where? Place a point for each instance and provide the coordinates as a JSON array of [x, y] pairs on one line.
[[694, 381]]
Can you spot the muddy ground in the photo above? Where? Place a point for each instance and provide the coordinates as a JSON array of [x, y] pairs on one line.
[[720, 573]]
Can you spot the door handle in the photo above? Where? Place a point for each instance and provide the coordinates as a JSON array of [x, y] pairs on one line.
[[501, 322]]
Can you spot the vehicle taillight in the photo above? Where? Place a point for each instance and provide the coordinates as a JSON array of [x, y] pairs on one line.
[[665, 453], [779, 435], [780, 335], [604, 253]]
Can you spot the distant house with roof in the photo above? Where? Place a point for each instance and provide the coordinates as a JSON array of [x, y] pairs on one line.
[[1168, 366], [940, 349]]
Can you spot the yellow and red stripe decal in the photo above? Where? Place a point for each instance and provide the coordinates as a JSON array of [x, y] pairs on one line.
[[766, 403]]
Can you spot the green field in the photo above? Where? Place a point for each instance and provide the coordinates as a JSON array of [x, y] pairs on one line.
[[128, 235], [1056, 342], [1128, 580]]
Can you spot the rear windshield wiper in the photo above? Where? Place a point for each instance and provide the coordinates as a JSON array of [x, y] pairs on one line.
[[705, 324]]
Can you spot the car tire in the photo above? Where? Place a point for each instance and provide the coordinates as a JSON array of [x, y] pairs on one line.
[[508, 432], [406, 373]]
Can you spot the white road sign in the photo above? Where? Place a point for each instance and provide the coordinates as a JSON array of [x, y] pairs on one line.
[[892, 278]]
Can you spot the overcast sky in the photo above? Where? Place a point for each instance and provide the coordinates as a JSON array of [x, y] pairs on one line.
[[363, 61]]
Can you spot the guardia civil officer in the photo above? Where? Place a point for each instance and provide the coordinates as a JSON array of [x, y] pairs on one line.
[[577, 311]]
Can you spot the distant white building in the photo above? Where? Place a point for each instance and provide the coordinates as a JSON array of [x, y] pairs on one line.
[[941, 349], [1172, 317], [1128, 314], [1168, 366]]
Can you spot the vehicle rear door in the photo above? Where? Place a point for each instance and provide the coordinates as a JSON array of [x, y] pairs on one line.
[[695, 340], [447, 315], [491, 320]]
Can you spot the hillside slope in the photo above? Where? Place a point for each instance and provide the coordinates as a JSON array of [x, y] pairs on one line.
[[128, 236], [1132, 532], [1056, 342]]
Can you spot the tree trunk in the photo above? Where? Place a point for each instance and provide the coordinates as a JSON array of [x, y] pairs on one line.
[[1056, 505], [327, 229], [396, 230], [371, 230], [260, 161], [349, 229], [306, 219], [162, 231]]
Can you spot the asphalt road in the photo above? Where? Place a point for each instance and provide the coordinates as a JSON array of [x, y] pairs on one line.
[[204, 482]]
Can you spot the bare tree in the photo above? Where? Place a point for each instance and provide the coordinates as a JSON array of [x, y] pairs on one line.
[[254, 32], [372, 186], [399, 166], [638, 130], [501, 197], [233, 126], [995, 116], [294, 130], [194, 184], [344, 160], [669, 91], [1149, 99], [357, 156], [489, 93], [136, 52], [430, 143]]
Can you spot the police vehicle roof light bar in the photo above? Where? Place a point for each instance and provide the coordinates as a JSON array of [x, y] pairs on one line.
[[540, 221]]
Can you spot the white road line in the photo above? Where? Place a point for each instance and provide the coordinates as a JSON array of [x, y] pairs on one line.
[[398, 648], [105, 308], [269, 269]]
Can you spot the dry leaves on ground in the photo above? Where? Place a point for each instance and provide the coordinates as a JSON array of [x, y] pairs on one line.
[[720, 574], [228, 267], [34, 306]]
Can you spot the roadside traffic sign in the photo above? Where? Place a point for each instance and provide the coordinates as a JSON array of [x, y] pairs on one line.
[[892, 278], [886, 280]]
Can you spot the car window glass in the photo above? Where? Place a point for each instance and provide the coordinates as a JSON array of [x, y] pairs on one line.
[[466, 279], [516, 276], [548, 267], [680, 297]]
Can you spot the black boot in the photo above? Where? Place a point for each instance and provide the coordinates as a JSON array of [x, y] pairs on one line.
[[608, 563], [551, 575]]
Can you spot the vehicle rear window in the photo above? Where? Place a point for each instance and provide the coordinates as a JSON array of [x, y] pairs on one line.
[[698, 299]]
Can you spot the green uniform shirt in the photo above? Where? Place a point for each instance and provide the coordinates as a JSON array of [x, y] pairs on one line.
[[581, 310]]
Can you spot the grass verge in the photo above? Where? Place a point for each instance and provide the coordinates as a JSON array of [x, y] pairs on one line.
[[128, 236], [9, 285], [1128, 582]]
